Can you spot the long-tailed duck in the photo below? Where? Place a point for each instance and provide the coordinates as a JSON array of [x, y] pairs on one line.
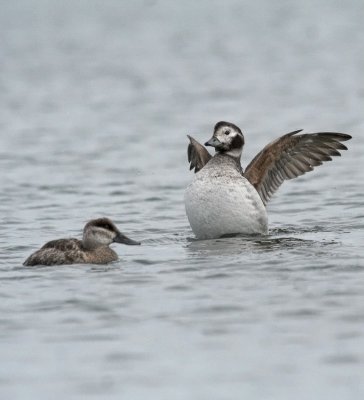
[[223, 199]]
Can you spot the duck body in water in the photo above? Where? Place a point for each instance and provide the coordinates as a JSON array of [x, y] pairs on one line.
[[223, 199], [94, 248]]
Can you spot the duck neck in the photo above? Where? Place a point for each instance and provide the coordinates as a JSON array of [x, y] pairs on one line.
[[90, 244], [234, 155]]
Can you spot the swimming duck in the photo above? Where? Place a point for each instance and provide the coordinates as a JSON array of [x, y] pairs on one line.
[[223, 199], [94, 248]]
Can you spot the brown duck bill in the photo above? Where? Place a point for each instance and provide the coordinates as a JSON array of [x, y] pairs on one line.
[[120, 238]]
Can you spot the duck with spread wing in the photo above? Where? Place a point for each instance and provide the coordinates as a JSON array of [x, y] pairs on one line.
[[223, 199]]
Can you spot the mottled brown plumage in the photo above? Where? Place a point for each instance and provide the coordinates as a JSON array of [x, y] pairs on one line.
[[290, 156], [94, 248], [285, 158]]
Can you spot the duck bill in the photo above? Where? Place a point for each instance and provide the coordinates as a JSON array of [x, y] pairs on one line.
[[120, 238], [213, 142]]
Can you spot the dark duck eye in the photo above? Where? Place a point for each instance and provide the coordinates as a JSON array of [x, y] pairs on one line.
[[227, 132]]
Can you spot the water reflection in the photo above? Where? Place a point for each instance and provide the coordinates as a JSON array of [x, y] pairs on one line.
[[229, 246]]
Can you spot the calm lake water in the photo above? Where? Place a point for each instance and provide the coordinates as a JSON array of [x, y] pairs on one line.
[[96, 99]]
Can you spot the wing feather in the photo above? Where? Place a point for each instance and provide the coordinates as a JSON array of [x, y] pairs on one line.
[[57, 252], [290, 156], [64, 244], [197, 154]]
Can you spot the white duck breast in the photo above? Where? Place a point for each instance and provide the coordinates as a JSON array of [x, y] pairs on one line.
[[220, 201]]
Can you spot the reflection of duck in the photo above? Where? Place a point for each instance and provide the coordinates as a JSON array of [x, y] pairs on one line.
[[223, 199], [94, 248]]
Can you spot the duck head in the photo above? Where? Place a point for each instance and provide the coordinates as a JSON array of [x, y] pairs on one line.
[[103, 232], [227, 138]]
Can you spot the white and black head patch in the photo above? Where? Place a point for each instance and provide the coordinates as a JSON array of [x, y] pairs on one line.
[[227, 138]]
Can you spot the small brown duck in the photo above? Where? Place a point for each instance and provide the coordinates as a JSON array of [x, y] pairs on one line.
[[94, 248]]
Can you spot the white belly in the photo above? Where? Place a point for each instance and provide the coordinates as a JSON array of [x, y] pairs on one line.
[[221, 205]]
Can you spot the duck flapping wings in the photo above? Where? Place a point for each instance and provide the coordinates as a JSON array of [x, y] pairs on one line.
[[287, 157]]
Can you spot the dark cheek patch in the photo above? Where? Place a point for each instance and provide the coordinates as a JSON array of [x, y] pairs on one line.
[[237, 142]]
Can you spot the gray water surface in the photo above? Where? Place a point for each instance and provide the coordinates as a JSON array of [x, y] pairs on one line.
[[96, 99]]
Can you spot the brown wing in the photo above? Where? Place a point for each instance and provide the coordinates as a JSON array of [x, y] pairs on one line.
[[290, 156], [197, 154], [56, 252], [64, 244]]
